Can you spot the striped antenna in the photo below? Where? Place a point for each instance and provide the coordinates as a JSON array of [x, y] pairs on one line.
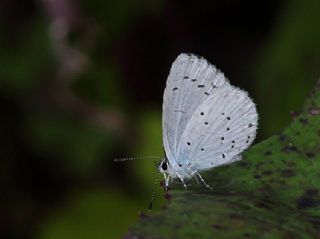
[[134, 158]]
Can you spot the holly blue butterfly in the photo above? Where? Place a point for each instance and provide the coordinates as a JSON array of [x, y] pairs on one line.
[[206, 121]]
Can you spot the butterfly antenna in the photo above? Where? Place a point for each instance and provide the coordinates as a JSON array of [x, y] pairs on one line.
[[134, 158], [156, 164], [153, 195]]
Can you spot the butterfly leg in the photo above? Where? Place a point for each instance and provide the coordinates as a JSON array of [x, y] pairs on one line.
[[182, 180], [166, 181], [192, 174], [202, 180], [197, 179]]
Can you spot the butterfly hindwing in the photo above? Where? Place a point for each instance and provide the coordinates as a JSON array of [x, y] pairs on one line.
[[219, 130]]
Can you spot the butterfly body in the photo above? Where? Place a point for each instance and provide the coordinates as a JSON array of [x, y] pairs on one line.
[[206, 121]]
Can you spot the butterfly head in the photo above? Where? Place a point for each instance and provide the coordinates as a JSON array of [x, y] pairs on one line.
[[165, 167]]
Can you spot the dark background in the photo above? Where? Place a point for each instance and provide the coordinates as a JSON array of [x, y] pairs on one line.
[[81, 83]]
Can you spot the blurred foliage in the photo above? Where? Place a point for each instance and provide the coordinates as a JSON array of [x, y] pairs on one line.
[[91, 214], [150, 145], [81, 83], [83, 145], [289, 64], [23, 63]]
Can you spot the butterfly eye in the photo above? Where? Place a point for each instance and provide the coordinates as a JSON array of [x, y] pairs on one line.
[[164, 166]]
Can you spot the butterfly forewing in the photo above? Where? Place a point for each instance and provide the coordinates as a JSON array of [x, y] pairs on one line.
[[191, 81]]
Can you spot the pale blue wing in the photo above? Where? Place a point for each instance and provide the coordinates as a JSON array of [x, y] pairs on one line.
[[220, 129], [191, 81]]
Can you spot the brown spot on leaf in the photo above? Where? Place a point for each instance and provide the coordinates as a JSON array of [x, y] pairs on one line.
[[314, 111], [310, 155], [235, 216], [282, 137], [168, 196], [291, 164], [243, 164], [297, 133], [312, 192], [310, 198], [247, 234], [267, 172], [262, 204], [288, 173], [294, 114], [289, 148], [217, 226], [303, 121], [142, 215], [177, 226], [162, 183], [268, 153]]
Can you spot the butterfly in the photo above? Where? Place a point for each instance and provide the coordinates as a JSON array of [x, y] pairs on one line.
[[206, 121]]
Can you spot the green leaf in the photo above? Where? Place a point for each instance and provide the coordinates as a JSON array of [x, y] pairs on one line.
[[272, 193]]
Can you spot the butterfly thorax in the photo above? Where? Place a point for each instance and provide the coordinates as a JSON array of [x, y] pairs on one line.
[[173, 170]]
